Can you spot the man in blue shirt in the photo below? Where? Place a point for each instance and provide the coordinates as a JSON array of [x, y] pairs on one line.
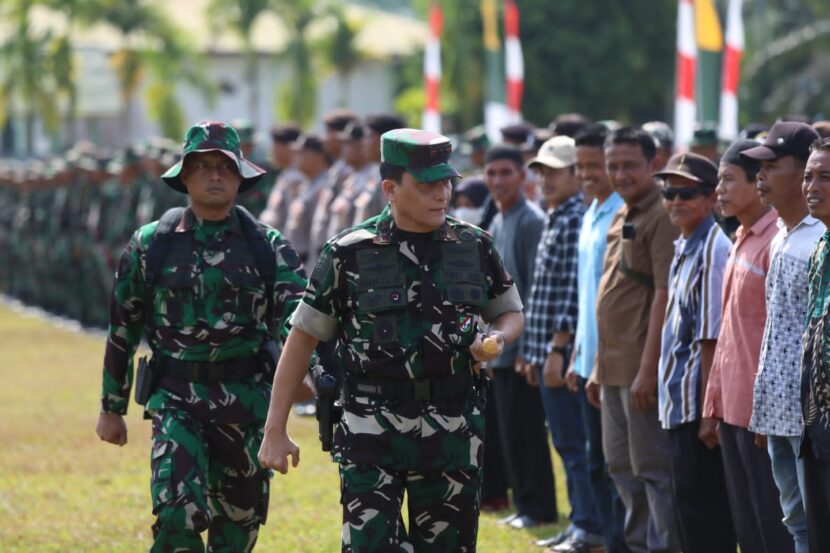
[[690, 333], [590, 172]]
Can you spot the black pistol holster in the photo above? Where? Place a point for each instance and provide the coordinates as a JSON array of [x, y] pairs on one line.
[[146, 378], [329, 409], [268, 355]]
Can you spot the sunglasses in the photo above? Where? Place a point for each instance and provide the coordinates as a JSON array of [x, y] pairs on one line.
[[685, 193]]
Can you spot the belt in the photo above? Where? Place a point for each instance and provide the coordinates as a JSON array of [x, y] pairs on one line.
[[421, 389], [205, 372]]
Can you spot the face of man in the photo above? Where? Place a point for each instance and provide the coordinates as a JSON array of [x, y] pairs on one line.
[[629, 172], [353, 153], [685, 212], [779, 181], [557, 185], [371, 145], [504, 180], [736, 194], [212, 179], [590, 171], [418, 206], [331, 143], [283, 155], [309, 162], [816, 185]]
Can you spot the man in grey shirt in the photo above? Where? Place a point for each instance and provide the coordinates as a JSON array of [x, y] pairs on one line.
[[516, 230]]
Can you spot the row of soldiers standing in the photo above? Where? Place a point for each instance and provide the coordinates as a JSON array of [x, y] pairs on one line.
[[64, 223]]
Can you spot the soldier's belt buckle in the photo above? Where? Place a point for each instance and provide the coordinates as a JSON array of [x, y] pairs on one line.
[[422, 390]]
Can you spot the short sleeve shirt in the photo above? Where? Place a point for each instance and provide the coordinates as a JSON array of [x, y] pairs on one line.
[[775, 402], [398, 313], [693, 314], [732, 376], [625, 296]]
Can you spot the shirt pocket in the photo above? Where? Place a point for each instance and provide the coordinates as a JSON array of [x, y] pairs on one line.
[[174, 298], [243, 298]]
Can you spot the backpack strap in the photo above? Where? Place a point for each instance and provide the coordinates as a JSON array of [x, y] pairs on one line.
[[263, 256], [159, 246]]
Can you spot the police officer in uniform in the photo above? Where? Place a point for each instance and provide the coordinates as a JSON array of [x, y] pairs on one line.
[[222, 291], [403, 294]]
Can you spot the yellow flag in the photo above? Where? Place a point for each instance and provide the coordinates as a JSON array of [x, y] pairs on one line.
[[489, 16], [707, 26]]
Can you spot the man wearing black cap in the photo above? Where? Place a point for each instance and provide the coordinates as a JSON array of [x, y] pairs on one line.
[[727, 410], [776, 413], [289, 180], [815, 387], [689, 336]]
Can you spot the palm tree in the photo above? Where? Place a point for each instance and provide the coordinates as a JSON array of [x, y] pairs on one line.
[[28, 86], [241, 16], [298, 98], [340, 50]]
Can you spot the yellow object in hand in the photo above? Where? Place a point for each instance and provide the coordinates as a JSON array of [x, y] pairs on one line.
[[491, 346]]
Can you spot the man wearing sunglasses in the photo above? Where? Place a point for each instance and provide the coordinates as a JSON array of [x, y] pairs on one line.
[[690, 333]]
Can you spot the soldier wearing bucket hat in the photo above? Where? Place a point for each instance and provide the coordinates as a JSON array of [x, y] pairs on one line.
[[402, 294], [213, 289]]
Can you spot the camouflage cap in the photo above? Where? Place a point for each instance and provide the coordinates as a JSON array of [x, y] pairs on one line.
[[212, 136], [425, 155]]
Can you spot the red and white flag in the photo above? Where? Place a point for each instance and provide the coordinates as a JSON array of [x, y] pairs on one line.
[[684, 100], [731, 71], [432, 71], [514, 61]]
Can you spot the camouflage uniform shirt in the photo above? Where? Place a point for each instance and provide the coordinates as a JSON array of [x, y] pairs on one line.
[[209, 305], [403, 307]]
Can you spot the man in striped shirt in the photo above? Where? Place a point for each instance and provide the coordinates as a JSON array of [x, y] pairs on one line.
[[689, 335]]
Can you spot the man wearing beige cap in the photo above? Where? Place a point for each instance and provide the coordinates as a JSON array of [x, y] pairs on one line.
[[551, 323]]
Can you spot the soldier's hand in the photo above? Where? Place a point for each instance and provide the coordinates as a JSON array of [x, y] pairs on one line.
[[112, 428], [274, 452], [486, 352]]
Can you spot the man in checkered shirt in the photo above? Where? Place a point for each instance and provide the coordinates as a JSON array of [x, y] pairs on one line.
[[551, 323]]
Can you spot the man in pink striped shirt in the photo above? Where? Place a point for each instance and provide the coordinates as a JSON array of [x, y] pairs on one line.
[[753, 496]]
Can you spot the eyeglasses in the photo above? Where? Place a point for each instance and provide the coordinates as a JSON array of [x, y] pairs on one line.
[[685, 193], [223, 167]]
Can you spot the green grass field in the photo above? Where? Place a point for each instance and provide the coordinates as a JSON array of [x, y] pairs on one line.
[[63, 490]]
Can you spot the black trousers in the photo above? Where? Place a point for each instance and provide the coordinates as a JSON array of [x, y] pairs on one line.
[[817, 502], [494, 479], [753, 497], [524, 441], [699, 489]]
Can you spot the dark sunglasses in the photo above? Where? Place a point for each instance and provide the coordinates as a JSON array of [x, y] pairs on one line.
[[685, 193]]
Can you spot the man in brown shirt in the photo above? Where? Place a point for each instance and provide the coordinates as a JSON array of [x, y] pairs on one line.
[[631, 305]]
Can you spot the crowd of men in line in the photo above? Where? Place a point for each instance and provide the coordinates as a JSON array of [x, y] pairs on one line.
[[666, 298]]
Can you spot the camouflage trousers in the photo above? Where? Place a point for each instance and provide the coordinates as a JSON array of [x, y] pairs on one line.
[[205, 476], [443, 510]]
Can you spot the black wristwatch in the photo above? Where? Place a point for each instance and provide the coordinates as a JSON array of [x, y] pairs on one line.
[[561, 350]]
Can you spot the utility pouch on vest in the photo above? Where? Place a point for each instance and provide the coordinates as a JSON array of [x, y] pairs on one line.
[[146, 377]]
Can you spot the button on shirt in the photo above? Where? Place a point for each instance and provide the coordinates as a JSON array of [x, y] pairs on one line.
[[693, 314], [776, 399], [729, 390], [592, 242], [554, 303]]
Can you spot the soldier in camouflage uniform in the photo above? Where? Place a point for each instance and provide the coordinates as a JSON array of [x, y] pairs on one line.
[[403, 295], [206, 319]]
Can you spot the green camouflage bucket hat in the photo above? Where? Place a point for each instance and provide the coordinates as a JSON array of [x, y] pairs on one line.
[[424, 155], [213, 136]]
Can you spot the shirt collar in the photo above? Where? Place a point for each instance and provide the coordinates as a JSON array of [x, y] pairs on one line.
[[566, 206], [769, 218], [611, 203], [387, 230], [698, 235]]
